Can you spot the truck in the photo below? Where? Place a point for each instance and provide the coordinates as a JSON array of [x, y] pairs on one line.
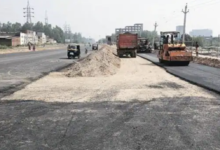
[[127, 44], [143, 46], [173, 51]]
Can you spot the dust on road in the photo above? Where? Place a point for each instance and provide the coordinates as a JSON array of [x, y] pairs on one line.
[[137, 79]]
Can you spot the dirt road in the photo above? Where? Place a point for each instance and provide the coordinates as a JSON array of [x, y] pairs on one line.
[[140, 107], [137, 79]]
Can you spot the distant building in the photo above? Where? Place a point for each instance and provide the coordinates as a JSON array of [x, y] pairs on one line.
[[9, 40], [136, 28], [201, 32], [179, 29], [42, 39], [31, 37], [22, 37]]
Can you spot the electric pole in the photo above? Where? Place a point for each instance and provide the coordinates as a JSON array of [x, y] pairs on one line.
[[28, 12], [184, 23], [155, 29], [46, 18]]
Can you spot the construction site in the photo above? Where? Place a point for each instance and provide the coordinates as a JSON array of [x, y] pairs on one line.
[[124, 92]]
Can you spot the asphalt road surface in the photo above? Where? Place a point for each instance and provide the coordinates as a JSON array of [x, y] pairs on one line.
[[22, 68], [205, 76], [175, 123]]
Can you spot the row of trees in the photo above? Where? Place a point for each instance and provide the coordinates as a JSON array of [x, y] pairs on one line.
[[53, 32]]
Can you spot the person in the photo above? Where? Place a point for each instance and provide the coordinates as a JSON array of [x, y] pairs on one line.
[[33, 47], [86, 51], [29, 46], [167, 39], [197, 46], [172, 39]]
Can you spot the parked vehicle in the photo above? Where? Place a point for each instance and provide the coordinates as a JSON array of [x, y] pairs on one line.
[[143, 46], [127, 44]]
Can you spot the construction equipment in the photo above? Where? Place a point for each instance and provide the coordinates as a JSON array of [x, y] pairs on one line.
[[127, 44], [172, 51], [73, 50], [95, 46], [143, 46]]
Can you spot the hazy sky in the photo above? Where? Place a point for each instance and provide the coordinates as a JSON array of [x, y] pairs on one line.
[[97, 18]]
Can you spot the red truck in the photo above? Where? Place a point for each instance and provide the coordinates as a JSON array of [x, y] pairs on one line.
[[127, 44]]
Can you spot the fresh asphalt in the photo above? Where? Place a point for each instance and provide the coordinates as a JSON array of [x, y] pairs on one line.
[[205, 76], [19, 69]]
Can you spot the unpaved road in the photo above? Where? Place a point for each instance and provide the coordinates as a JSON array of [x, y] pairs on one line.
[[141, 107], [21, 68]]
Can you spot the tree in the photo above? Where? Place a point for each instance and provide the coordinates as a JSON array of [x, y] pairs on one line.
[[149, 35], [199, 40], [27, 26], [16, 27], [38, 27], [188, 40]]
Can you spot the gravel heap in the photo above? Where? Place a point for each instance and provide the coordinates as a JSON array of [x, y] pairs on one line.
[[103, 62], [207, 61]]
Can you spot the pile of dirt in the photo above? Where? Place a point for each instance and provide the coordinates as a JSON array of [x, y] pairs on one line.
[[103, 62], [207, 61]]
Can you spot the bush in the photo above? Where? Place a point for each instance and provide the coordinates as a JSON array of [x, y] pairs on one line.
[[3, 47]]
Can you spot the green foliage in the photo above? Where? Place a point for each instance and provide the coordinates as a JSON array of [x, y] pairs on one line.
[[3, 47], [199, 40], [53, 32], [149, 35]]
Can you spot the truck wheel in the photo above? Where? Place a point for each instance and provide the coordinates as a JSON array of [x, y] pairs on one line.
[[135, 54], [185, 63]]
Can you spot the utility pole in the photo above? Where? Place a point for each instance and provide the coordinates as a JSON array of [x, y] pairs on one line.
[[184, 23], [155, 29], [28, 12]]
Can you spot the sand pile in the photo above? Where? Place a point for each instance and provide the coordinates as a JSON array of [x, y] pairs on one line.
[[103, 62], [207, 61]]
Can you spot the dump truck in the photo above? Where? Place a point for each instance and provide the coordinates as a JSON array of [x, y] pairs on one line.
[[172, 50], [143, 46], [127, 44]]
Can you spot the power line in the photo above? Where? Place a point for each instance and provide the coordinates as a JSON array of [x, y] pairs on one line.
[[207, 2], [28, 13]]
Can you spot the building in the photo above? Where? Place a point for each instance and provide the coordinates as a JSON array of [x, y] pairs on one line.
[[42, 39], [9, 40], [22, 37], [31, 37], [51, 41], [136, 28], [179, 29], [201, 32]]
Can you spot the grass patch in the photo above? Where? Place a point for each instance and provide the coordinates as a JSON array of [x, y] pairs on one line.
[[3, 47]]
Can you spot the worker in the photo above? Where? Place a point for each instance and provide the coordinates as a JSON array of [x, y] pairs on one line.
[[167, 39], [197, 46], [172, 39], [33, 47], [29, 46]]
